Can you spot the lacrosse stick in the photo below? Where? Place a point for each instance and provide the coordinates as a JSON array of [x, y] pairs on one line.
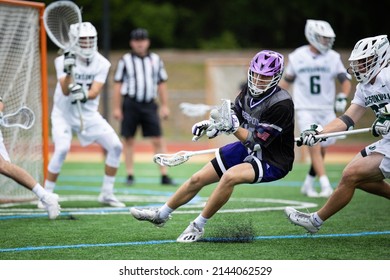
[[195, 110], [179, 157], [338, 133], [57, 18], [23, 118], [221, 118]]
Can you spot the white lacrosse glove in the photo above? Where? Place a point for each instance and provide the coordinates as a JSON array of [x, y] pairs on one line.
[[381, 125], [77, 93], [340, 102], [227, 126], [308, 136], [69, 62], [212, 131], [199, 129], [235, 125]]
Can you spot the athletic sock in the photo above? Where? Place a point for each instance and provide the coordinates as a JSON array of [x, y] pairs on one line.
[[309, 181], [49, 186], [324, 182], [165, 211], [200, 221], [317, 221], [108, 184], [38, 190]]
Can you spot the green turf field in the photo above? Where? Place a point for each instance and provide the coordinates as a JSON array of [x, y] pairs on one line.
[[251, 226]]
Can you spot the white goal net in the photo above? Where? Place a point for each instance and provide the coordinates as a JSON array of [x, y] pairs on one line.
[[21, 84]]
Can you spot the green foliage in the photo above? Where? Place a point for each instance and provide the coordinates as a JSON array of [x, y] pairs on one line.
[[272, 24], [225, 41]]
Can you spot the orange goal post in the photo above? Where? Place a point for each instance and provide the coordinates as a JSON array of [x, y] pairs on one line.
[[23, 81]]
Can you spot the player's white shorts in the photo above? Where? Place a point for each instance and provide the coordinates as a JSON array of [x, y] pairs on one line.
[[93, 129], [3, 150], [305, 118], [383, 147]]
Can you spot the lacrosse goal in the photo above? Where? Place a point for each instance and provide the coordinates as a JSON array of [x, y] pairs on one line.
[[23, 81]]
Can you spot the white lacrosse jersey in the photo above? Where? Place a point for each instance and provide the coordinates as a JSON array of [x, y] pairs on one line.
[[85, 74], [375, 95], [314, 78]]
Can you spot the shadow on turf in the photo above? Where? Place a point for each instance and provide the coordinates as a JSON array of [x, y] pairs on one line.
[[232, 233]]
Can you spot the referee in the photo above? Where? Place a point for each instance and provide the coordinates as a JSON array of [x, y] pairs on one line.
[[140, 78]]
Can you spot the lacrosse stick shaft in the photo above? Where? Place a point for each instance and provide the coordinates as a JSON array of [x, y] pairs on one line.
[[179, 157], [202, 152], [57, 18], [81, 116], [339, 133]]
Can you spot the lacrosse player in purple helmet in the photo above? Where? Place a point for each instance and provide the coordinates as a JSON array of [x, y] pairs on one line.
[[368, 170], [262, 120]]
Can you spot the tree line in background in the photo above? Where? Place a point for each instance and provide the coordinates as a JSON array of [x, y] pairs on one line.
[[232, 24]]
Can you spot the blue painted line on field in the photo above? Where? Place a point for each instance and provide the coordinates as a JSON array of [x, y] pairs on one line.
[[155, 180], [159, 242], [117, 190], [98, 179]]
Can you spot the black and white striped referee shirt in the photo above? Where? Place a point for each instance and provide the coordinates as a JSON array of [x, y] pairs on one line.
[[140, 76]]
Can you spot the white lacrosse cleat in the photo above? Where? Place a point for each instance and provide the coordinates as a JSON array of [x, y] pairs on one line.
[[326, 192], [40, 204], [191, 234], [50, 203], [110, 199], [150, 215], [309, 192], [301, 219]]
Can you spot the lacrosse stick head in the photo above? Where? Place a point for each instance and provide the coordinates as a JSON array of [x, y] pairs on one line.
[[264, 73], [23, 118], [171, 159], [57, 18], [222, 116]]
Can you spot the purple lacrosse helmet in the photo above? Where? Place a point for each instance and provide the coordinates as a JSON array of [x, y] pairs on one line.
[[265, 72]]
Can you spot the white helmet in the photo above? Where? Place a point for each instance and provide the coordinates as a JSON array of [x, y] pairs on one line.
[[319, 34], [369, 57], [87, 42]]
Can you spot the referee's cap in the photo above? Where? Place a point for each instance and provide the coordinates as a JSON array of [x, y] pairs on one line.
[[139, 34]]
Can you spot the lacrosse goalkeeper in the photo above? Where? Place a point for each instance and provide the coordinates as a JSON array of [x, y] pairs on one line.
[[368, 169], [48, 200], [81, 76], [262, 119]]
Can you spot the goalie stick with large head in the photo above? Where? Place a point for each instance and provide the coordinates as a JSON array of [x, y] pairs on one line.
[[57, 19], [24, 118]]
